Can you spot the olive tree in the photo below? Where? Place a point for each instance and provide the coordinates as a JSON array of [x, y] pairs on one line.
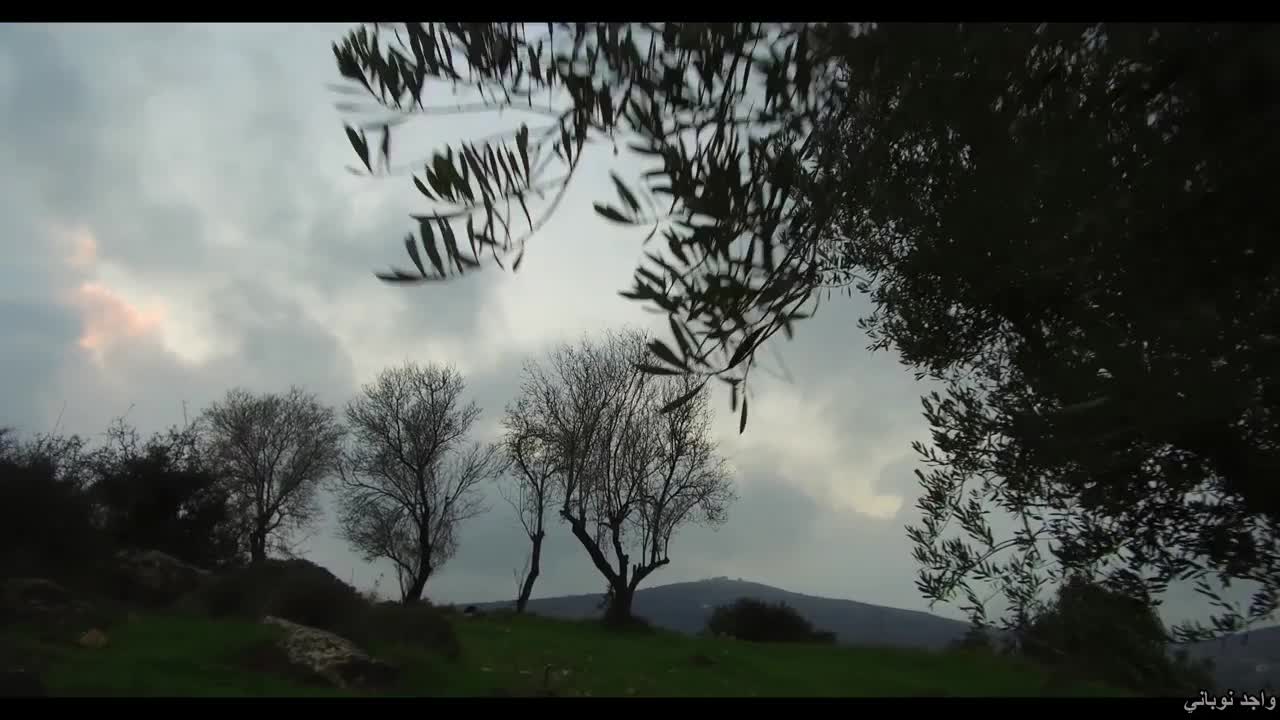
[[1061, 222]]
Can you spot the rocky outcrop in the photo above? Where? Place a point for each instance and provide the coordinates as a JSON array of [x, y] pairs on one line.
[[156, 578], [330, 657]]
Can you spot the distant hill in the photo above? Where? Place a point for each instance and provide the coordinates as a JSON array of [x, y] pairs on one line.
[[1247, 662], [685, 607]]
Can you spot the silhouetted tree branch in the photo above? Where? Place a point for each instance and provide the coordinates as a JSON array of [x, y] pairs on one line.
[[627, 475], [529, 487], [274, 451], [409, 480]]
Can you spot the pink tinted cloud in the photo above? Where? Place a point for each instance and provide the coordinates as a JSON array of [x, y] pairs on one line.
[[108, 319], [83, 249]]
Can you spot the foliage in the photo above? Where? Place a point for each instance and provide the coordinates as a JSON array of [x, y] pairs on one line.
[[296, 590], [1061, 222], [975, 639], [305, 593], [419, 625], [47, 525], [1082, 257], [627, 475], [756, 621], [728, 110], [1110, 637], [274, 450], [407, 481], [164, 495]]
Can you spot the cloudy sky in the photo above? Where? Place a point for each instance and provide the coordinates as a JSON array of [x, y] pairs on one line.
[[176, 220]]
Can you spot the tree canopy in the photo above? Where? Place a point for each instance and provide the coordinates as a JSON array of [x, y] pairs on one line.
[[409, 478], [627, 477], [165, 494], [1065, 224], [274, 451]]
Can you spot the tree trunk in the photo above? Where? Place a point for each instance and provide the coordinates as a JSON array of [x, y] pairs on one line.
[[534, 560], [619, 611], [413, 594], [257, 546]]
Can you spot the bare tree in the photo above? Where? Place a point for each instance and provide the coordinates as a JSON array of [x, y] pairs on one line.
[[274, 449], [628, 474], [529, 487], [408, 481]]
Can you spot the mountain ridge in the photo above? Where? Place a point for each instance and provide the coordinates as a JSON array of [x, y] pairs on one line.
[[685, 607]]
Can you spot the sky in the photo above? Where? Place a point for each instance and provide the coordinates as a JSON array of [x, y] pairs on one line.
[[176, 220]]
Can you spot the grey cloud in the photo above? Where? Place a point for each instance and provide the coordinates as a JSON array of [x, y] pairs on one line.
[[35, 336], [277, 347]]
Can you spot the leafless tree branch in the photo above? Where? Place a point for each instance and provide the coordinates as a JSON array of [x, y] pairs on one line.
[[275, 449], [409, 480]]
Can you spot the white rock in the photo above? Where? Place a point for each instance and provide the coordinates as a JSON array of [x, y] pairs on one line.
[[331, 656]]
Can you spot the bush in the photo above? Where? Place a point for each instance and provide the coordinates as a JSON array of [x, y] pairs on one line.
[[976, 639], [756, 621], [163, 495], [305, 593], [47, 525], [296, 590], [1108, 636], [418, 626]]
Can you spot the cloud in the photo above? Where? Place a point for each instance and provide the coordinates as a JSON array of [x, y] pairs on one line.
[[109, 319], [798, 434]]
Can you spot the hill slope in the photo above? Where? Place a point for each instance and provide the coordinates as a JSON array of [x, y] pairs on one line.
[[685, 607], [1250, 661]]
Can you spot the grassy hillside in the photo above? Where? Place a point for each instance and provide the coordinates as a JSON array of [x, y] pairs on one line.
[[506, 655]]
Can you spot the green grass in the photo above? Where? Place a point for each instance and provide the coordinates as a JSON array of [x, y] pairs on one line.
[[171, 656], [161, 656], [512, 653]]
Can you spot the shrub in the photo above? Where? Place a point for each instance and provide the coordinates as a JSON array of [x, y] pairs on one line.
[[756, 621], [976, 639], [46, 520], [296, 590], [305, 593], [1108, 636], [419, 625], [164, 495]]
